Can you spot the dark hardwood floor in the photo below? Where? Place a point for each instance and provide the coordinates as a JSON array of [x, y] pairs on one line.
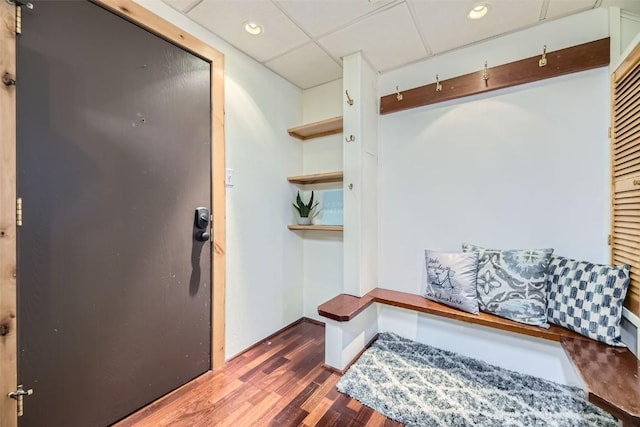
[[280, 382]]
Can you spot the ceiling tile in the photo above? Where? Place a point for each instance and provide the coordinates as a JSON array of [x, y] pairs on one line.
[[388, 39], [319, 17], [181, 5], [445, 25], [306, 66], [627, 5], [558, 8], [226, 19]]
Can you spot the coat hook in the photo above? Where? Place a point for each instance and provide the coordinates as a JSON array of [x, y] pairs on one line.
[[350, 139], [398, 94], [349, 99], [543, 61], [438, 85], [485, 74]]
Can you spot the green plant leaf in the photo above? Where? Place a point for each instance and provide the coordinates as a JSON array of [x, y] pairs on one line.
[[305, 209]]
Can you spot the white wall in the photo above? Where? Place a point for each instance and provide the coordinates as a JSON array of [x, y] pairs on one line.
[[264, 259], [533, 356], [322, 251], [524, 167]]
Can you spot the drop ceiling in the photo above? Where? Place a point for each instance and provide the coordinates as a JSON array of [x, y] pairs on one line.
[[304, 40]]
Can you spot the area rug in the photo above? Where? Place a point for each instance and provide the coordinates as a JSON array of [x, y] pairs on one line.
[[420, 385]]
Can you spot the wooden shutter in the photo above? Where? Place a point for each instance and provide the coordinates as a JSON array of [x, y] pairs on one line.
[[625, 167]]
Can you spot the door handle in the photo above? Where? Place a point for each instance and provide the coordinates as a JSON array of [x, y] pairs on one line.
[[201, 224]]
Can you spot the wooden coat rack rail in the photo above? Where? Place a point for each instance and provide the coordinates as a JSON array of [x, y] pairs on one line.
[[565, 61]]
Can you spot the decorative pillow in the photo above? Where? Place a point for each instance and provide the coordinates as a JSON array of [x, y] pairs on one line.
[[513, 283], [587, 298], [451, 279]]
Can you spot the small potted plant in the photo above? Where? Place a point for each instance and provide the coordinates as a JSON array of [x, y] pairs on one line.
[[304, 210]]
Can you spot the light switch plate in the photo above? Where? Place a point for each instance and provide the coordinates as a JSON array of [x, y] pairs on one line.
[[228, 177]]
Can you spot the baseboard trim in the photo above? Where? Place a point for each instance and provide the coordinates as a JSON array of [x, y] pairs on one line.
[[289, 326], [341, 372], [314, 321]]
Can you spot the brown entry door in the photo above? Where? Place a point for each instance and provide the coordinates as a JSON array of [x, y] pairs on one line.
[[114, 156]]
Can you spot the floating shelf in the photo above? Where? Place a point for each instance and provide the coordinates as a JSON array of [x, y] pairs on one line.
[[317, 129], [317, 178], [317, 227]]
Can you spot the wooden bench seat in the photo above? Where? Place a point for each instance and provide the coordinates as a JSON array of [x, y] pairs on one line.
[[611, 374], [345, 307]]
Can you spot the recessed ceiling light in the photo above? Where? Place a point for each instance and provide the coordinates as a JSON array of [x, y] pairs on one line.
[[253, 28], [478, 11]]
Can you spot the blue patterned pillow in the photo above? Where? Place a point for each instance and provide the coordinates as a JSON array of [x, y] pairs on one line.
[[513, 283], [450, 279], [587, 298]]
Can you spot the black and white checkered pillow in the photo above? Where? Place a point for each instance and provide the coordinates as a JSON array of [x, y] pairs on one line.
[[587, 298]]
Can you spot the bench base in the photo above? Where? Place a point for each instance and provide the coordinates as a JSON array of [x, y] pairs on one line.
[[521, 353], [610, 375]]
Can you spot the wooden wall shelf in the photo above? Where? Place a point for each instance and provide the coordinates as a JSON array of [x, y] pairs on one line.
[[317, 178], [565, 61], [317, 129], [316, 227]]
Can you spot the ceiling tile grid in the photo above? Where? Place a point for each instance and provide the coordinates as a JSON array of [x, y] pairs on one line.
[[445, 24], [304, 40], [320, 17], [227, 18], [306, 66], [387, 38], [560, 8]]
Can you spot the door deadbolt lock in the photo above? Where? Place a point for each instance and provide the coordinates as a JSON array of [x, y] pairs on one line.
[[202, 218], [202, 224]]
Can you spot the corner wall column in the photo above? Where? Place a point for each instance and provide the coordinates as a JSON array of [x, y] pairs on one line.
[[360, 176]]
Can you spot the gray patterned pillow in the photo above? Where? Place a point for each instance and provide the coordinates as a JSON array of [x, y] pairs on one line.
[[513, 283], [587, 298], [451, 279]]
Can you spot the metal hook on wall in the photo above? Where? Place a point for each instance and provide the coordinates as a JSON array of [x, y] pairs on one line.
[[398, 94], [438, 85], [485, 74], [350, 139], [349, 99], [543, 61]]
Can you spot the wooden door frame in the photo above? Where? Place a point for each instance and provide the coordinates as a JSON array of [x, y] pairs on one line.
[[8, 256]]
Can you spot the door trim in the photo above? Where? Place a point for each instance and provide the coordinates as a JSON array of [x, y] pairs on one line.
[[8, 335], [8, 257]]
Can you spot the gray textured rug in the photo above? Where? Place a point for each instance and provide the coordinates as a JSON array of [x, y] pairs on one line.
[[420, 385]]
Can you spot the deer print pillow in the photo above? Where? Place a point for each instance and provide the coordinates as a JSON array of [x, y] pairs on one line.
[[450, 278]]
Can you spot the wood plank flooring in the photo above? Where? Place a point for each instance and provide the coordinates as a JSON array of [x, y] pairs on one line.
[[280, 382]]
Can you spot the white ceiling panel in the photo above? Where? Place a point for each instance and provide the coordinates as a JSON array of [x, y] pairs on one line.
[[306, 66], [181, 5], [445, 25], [303, 40], [627, 5], [226, 18], [558, 8], [319, 17], [387, 39]]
